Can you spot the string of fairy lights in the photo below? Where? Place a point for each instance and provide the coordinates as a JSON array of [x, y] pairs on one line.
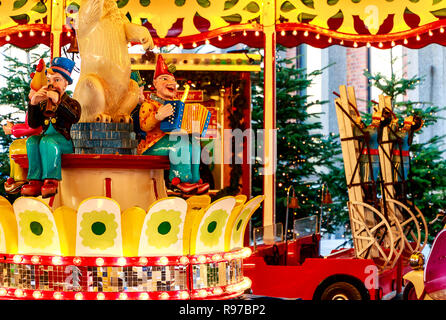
[[300, 35]]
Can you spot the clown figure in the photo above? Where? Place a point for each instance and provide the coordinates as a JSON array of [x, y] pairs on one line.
[[52, 109], [184, 153], [369, 159], [400, 153]]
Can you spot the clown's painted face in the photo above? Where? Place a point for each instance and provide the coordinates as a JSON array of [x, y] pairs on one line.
[[166, 86]]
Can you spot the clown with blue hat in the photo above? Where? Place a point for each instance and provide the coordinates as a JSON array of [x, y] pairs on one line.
[[52, 109]]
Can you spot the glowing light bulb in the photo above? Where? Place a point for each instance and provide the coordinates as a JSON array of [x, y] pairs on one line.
[[418, 37], [431, 33], [163, 261], [218, 291], [294, 32], [56, 260], [245, 33], [19, 293], [184, 260], [246, 252], [201, 259], [143, 261], [207, 41], [77, 261], [194, 45], [392, 43], [405, 41], [3, 292], [355, 44], [257, 33], [68, 34], [282, 33], [35, 259], [368, 45], [181, 46], [164, 296], [79, 296], [144, 296], [17, 258], [43, 33], [220, 38], [330, 40], [184, 295], [122, 261], [246, 283], [99, 262], [100, 296], [37, 295], [57, 295], [380, 45], [441, 30], [229, 256], [216, 257], [123, 296], [31, 33], [306, 33], [20, 35], [202, 293], [318, 36], [8, 38]]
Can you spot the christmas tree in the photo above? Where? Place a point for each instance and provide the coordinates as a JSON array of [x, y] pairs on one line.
[[305, 157]]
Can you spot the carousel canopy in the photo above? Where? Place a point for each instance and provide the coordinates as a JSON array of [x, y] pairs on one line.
[[223, 23]]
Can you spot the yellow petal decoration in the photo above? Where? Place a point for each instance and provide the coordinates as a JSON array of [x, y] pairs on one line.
[[195, 207], [210, 225], [238, 227], [36, 229], [132, 221], [65, 218], [98, 229], [8, 228], [163, 228], [212, 228]]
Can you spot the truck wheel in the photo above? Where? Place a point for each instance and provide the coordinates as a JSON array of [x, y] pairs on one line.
[[341, 291], [409, 292]]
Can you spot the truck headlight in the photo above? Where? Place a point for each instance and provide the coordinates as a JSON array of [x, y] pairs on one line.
[[416, 261]]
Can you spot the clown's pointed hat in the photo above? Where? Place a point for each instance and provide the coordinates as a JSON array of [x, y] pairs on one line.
[[163, 68]]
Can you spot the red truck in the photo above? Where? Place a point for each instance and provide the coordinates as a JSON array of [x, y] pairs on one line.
[[294, 269]]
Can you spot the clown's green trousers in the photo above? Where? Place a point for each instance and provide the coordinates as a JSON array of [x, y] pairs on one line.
[[45, 154], [184, 156]]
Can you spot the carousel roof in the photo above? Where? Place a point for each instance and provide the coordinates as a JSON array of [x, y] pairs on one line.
[[190, 23]]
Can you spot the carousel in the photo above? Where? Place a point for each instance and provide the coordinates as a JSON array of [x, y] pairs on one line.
[[105, 226]]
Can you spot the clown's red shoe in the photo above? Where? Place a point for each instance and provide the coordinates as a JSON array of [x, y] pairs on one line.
[[49, 188], [32, 189], [12, 186], [203, 188]]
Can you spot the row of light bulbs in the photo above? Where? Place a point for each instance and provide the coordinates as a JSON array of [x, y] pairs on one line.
[[122, 261], [182, 295], [31, 34], [306, 33], [257, 33]]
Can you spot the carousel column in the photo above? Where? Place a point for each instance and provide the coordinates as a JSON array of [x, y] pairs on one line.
[[269, 152], [57, 23]]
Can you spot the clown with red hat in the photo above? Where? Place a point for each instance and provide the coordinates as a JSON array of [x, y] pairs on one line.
[[184, 156]]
